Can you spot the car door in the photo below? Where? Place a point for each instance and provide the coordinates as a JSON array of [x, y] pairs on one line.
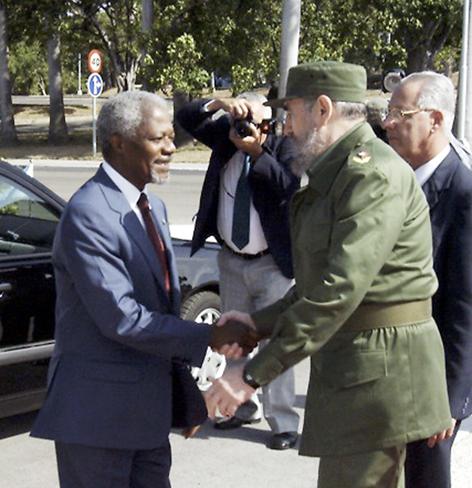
[[28, 220]]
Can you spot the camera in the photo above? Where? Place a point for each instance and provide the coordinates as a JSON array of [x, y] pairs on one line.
[[243, 126]]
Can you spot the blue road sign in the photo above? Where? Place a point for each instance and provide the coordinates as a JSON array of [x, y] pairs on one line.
[[95, 85]]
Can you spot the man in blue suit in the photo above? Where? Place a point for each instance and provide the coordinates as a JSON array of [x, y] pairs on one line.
[[109, 401], [418, 126]]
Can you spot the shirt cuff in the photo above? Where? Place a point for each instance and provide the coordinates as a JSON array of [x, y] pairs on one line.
[[264, 367], [205, 107]]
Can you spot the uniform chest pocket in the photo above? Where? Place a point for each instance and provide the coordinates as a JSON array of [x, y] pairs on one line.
[[341, 371]]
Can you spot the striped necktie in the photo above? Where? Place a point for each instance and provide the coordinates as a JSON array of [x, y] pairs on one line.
[[156, 241]]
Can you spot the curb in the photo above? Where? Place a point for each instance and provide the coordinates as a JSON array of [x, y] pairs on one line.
[[81, 164]]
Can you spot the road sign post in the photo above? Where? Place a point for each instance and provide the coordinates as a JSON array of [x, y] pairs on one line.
[[95, 89], [95, 61]]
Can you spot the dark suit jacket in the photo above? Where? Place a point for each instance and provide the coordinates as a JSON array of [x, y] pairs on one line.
[[117, 333], [271, 180], [449, 195]]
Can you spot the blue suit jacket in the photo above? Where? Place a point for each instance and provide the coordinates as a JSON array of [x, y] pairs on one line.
[[270, 177], [449, 194], [116, 331]]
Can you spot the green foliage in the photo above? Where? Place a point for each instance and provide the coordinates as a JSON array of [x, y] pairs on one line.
[[238, 37], [28, 68], [243, 78], [182, 70], [192, 38]]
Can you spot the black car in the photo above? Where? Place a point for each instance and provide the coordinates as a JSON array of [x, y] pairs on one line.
[[29, 214]]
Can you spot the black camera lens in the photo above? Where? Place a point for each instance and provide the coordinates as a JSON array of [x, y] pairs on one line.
[[242, 127]]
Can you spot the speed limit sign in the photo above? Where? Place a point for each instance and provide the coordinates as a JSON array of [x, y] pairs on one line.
[[95, 61]]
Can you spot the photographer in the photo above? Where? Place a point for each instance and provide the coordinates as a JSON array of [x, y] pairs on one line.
[[244, 205]]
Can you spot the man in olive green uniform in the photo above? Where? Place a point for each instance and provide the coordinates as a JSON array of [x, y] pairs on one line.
[[361, 306]]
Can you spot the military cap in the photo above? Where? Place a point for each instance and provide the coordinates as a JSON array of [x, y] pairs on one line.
[[342, 82]]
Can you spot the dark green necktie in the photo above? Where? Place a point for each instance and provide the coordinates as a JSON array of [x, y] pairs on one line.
[[242, 203]]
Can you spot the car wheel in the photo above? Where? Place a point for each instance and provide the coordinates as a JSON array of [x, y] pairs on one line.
[[205, 307]]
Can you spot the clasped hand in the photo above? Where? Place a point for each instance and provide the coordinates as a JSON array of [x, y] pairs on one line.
[[234, 335]]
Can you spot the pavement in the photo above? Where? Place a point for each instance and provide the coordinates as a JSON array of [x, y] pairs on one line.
[[198, 462], [213, 458], [176, 165]]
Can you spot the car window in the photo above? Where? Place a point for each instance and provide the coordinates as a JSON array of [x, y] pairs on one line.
[[27, 222]]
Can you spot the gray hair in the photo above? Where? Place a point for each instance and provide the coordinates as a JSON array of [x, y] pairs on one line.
[[258, 98], [351, 110], [346, 110], [436, 93], [252, 97], [123, 114]]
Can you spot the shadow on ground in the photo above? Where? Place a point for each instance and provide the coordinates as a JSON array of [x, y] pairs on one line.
[[18, 424]]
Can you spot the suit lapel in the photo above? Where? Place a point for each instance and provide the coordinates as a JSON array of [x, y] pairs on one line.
[[133, 227], [162, 225], [435, 190], [440, 180]]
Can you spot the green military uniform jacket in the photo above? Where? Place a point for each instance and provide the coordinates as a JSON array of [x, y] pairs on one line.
[[360, 235]]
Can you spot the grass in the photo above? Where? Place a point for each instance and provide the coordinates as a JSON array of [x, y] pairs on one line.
[[32, 127]]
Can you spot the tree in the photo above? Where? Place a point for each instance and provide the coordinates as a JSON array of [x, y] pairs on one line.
[[44, 25], [238, 37], [380, 33], [57, 120], [8, 130], [28, 68], [146, 28], [424, 28], [117, 26]]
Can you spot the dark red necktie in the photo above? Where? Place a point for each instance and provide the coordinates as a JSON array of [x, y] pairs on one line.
[[158, 244]]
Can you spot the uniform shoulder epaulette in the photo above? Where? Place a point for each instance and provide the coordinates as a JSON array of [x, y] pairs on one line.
[[360, 155]]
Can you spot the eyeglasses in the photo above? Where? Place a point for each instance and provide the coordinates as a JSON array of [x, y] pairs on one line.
[[399, 114]]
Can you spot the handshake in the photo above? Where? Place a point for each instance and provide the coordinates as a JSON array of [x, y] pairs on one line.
[[234, 336]]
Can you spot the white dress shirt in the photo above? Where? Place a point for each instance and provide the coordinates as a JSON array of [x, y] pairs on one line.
[[228, 182], [424, 172], [130, 192]]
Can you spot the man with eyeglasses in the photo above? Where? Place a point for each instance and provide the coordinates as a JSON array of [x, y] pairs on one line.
[[361, 304], [418, 127]]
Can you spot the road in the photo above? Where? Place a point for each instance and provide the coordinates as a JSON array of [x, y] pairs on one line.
[[214, 459], [231, 459], [181, 194], [78, 100]]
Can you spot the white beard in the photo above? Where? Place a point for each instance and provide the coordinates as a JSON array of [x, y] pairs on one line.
[[160, 179], [309, 148]]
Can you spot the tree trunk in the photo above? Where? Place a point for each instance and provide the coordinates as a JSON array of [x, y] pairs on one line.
[[8, 131], [182, 137], [146, 27], [417, 60], [57, 119]]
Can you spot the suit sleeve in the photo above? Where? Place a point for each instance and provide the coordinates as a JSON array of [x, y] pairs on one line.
[[200, 124], [273, 168], [91, 255], [456, 315], [362, 237]]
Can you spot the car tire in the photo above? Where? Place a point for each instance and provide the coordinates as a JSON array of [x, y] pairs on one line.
[[203, 307]]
